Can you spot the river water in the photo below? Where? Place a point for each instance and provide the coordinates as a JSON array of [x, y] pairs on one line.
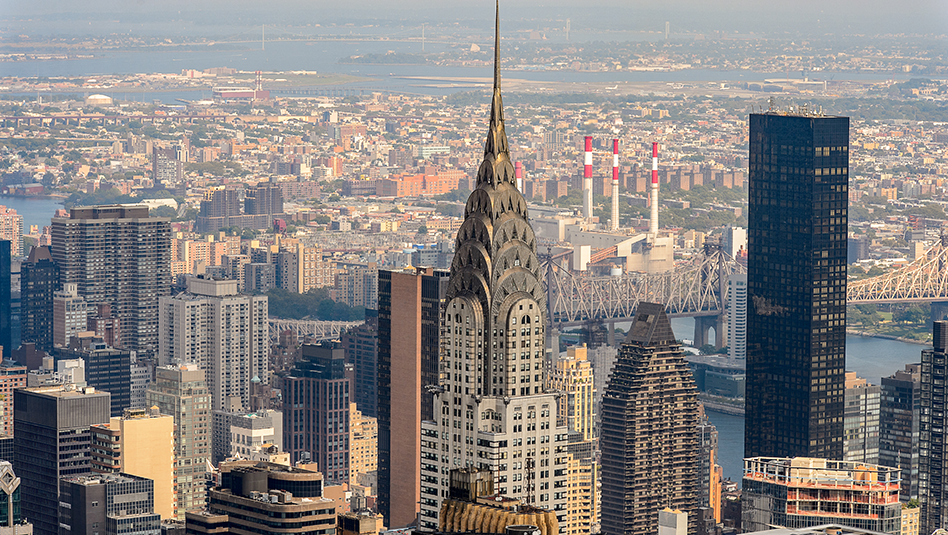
[[35, 211], [871, 358]]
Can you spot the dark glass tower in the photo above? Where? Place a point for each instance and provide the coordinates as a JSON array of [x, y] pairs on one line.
[[39, 279], [796, 285], [932, 468], [6, 300], [649, 434]]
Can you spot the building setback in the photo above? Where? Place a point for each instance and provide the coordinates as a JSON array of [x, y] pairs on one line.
[[649, 431], [120, 256], [52, 439], [796, 285]]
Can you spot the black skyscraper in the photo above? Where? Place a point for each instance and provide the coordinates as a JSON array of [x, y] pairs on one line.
[[39, 279], [932, 466], [796, 285], [6, 300]]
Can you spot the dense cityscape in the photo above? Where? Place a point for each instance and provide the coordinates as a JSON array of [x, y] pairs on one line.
[[518, 281]]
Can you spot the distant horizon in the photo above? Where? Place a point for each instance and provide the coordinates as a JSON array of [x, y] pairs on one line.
[[744, 16]]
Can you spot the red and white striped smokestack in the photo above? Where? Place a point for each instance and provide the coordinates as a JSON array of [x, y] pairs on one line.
[[653, 221], [615, 184], [587, 179], [518, 172]]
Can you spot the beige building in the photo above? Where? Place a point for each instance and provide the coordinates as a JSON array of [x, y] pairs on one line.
[[140, 443], [363, 444], [11, 228], [181, 391], [573, 375], [910, 519]]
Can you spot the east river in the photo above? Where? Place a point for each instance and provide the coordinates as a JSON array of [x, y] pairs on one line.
[[871, 358]]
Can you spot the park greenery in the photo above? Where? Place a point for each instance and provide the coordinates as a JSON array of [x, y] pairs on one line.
[[314, 305]]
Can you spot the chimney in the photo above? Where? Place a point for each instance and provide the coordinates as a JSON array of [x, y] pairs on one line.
[[615, 184], [587, 180], [653, 221]]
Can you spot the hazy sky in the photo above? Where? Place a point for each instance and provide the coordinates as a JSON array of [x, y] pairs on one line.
[[811, 16]]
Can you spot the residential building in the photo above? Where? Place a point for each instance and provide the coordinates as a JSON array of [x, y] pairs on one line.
[[737, 315], [301, 268], [802, 492], [357, 286], [796, 285], [363, 443], [735, 239], [52, 440], [181, 391], [70, 315], [899, 426], [39, 279], [139, 443], [861, 420], [316, 398], [12, 376], [573, 375], [141, 374], [262, 497], [223, 331], [709, 486], [933, 437], [112, 504], [104, 324], [408, 360], [11, 229], [911, 514], [650, 405], [120, 256]]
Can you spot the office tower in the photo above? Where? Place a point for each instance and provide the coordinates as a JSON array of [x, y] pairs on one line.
[[11, 229], [106, 368], [120, 256], [361, 345], [573, 376], [12, 376], [737, 315], [70, 315], [11, 512], [899, 426], [51, 440], [105, 325], [139, 443], [6, 304], [796, 285], [114, 503], [648, 436], [932, 468], [241, 432], [39, 278], [316, 397], [363, 444], [802, 492], [491, 408], [861, 420], [409, 329], [181, 391], [224, 332], [262, 497]]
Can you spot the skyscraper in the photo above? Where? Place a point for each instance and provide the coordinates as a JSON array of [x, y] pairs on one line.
[[316, 398], [933, 437], [491, 408], [39, 279], [222, 331], [737, 315], [52, 439], [361, 345], [182, 392], [861, 420], [6, 301], [409, 329], [120, 256], [899, 426], [796, 285], [649, 434]]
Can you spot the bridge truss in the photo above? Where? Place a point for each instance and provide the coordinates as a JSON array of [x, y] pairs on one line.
[[320, 330], [925, 279]]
